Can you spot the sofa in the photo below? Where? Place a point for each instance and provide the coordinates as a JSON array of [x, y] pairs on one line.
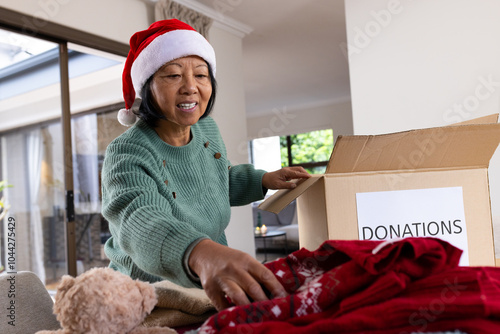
[[285, 221], [27, 303]]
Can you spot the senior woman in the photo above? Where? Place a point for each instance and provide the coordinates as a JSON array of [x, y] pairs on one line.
[[167, 185]]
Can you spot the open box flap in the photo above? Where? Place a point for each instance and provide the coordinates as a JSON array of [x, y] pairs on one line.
[[283, 197], [458, 146], [467, 144], [480, 120]]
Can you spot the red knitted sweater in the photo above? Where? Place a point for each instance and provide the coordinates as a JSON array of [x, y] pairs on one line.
[[410, 285]]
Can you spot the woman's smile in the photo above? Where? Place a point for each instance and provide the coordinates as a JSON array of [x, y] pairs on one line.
[[187, 106]]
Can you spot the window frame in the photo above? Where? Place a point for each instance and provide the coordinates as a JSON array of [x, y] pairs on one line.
[[62, 35], [305, 164], [56, 33]]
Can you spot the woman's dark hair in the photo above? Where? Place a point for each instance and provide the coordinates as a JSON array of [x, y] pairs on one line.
[[148, 111]]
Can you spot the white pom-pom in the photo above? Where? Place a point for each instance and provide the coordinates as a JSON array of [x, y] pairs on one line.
[[126, 117]]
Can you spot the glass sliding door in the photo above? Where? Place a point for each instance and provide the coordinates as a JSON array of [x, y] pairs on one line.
[[32, 163], [91, 135], [31, 158], [95, 82], [33, 150]]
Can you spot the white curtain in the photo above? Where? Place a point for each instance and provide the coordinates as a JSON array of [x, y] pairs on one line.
[[167, 9], [85, 164], [34, 150]]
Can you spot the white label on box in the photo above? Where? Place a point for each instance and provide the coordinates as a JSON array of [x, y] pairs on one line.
[[434, 212]]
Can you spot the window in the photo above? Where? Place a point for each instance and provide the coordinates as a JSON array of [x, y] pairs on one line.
[[52, 133], [310, 150]]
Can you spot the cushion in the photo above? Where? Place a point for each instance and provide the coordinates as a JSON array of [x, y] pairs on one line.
[[28, 303]]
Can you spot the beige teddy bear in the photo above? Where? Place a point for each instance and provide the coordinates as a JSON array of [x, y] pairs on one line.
[[103, 300]]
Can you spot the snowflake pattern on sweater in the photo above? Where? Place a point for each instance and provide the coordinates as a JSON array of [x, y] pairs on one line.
[[410, 285]]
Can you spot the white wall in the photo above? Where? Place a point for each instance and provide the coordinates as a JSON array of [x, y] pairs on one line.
[[412, 62], [229, 113], [288, 120], [113, 19], [416, 64]]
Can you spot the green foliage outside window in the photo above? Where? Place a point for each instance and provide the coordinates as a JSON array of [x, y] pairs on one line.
[[308, 148]]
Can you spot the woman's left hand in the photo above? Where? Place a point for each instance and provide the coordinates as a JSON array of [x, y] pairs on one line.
[[279, 179]]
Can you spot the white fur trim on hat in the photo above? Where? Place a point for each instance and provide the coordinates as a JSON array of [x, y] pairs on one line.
[[126, 117], [167, 47]]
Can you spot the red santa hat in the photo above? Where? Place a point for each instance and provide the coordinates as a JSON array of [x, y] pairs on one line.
[[150, 49]]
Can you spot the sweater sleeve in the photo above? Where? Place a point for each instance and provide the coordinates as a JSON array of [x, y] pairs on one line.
[[245, 184], [141, 220]]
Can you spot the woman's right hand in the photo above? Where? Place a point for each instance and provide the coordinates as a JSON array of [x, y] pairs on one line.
[[226, 272]]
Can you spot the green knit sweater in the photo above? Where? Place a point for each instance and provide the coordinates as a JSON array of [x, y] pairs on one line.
[[159, 198]]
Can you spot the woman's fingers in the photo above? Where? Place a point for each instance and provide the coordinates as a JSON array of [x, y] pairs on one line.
[[271, 284], [229, 273], [218, 298], [223, 289], [244, 287], [279, 179], [296, 172], [238, 291]]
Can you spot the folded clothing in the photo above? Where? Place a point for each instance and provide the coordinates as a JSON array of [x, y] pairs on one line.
[[403, 286], [179, 306]]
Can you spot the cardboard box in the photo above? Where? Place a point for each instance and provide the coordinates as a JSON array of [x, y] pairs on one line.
[[453, 158]]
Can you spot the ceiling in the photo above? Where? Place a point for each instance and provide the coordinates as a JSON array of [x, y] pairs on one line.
[[292, 57]]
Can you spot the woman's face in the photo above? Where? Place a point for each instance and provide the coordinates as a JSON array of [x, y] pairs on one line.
[[181, 89]]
